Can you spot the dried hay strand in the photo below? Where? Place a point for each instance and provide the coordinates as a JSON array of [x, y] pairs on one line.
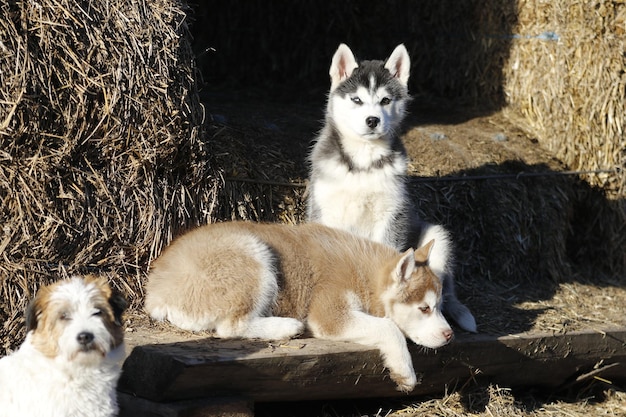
[[103, 156], [566, 78]]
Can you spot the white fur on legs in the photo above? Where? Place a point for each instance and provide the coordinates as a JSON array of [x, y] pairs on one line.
[[457, 310], [269, 328], [439, 262], [383, 334]]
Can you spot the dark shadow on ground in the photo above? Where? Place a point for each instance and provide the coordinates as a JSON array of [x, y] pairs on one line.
[[520, 231]]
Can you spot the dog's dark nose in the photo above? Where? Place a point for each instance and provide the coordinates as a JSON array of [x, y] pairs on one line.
[[372, 122], [85, 338]]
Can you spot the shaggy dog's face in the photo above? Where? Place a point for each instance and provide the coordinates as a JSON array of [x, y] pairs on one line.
[[77, 320]]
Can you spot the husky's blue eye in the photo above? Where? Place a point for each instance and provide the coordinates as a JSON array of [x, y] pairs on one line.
[[356, 100], [385, 101]]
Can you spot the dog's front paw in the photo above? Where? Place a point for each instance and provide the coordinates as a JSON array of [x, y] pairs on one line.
[[405, 383]]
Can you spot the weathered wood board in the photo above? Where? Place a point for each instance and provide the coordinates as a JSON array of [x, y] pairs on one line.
[[308, 369], [131, 406]]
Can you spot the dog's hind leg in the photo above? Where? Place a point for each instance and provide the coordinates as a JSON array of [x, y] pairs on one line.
[[456, 310], [440, 261], [269, 328]]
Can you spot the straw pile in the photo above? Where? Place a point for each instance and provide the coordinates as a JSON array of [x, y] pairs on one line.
[[566, 77], [566, 84], [102, 149]]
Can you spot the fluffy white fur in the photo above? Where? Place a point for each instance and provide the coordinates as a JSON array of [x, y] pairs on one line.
[[69, 363], [271, 280]]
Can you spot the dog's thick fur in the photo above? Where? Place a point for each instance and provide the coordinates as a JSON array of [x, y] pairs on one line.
[[358, 165], [69, 364], [271, 281]]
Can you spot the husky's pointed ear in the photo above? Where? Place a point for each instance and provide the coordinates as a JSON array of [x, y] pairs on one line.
[[422, 254], [399, 64], [342, 65], [404, 267]]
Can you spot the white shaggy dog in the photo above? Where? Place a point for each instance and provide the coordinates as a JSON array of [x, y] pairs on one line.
[[269, 281], [69, 364]]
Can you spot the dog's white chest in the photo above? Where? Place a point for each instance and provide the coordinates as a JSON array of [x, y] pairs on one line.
[[362, 202], [60, 391]]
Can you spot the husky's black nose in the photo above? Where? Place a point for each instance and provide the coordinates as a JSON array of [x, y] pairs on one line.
[[372, 122], [85, 338]]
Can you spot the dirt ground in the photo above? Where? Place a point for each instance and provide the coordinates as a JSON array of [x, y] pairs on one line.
[[271, 142]]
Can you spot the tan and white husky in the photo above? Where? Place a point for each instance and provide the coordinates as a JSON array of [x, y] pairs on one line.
[[270, 281]]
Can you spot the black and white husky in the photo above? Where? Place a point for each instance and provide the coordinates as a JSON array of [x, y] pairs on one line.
[[358, 165]]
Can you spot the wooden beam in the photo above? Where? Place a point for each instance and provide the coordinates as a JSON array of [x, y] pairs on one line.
[[131, 406], [308, 369]]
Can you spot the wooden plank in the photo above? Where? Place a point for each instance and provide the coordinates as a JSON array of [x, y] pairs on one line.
[[131, 406], [307, 369]]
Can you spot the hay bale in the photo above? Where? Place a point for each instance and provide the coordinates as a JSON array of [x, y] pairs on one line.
[[566, 78], [566, 85], [522, 227], [505, 229], [103, 155], [262, 182], [509, 217]]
